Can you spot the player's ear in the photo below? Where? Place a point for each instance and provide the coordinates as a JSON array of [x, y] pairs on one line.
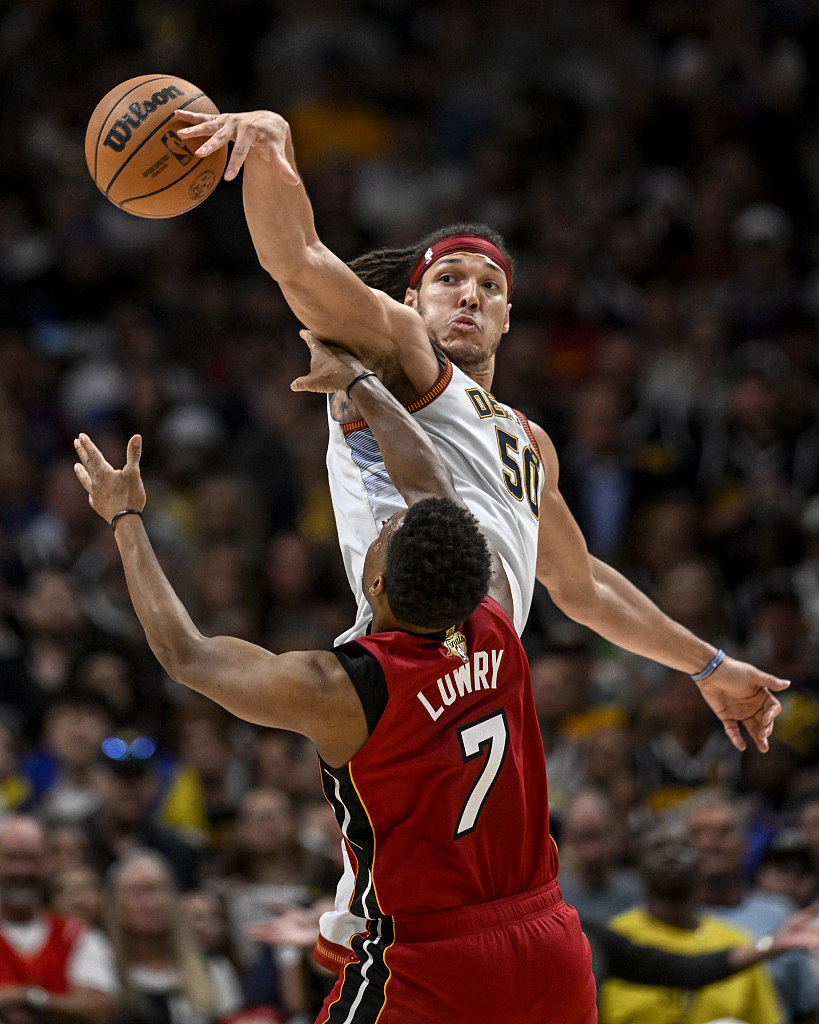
[[411, 298], [506, 321]]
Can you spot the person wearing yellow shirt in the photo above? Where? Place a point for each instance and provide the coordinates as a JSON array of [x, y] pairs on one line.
[[669, 864], [15, 790]]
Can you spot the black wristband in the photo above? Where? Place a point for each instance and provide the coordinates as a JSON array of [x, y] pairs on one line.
[[355, 380], [124, 512]]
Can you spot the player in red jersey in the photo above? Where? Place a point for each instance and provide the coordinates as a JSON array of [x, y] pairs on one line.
[[428, 740]]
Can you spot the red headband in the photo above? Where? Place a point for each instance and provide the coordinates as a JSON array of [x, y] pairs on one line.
[[460, 243]]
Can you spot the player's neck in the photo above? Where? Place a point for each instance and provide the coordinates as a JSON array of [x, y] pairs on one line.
[[484, 377], [475, 364], [385, 622], [482, 372]]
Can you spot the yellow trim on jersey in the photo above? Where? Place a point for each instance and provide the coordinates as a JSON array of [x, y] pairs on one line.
[[372, 867], [372, 829]]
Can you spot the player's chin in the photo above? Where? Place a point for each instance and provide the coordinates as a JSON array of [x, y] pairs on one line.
[[470, 346]]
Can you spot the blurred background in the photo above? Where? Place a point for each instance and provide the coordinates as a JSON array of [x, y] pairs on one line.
[[654, 167]]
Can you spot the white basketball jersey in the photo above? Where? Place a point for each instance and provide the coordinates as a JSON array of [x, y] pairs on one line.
[[495, 464]]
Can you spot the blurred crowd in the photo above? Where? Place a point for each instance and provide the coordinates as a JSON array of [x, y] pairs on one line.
[[654, 167]]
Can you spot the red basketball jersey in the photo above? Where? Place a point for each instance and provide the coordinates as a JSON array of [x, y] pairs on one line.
[[446, 804]]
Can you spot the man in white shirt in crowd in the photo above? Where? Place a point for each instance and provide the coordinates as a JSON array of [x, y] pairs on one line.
[[51, 969]]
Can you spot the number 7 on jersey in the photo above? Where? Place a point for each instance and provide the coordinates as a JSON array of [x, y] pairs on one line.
[[491, 733]]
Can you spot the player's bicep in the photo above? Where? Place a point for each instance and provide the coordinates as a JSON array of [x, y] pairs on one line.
[[336, 305], [304, 691]]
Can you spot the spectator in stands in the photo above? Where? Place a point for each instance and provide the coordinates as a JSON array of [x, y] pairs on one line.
[[78, 892], [165, 975], [560, 683], [786, 869], [286, 761], [610, 768], [127, 782], [806, 574], [54, 629], [112, 670], [596, 477], [592, 877], [265, 866], [61, 769], [670, 920], [15, 790], [715, 826], [204, 914], [68, 847], [693, 590], [51, 969], [208, 780], [688, 752], [808, 823]]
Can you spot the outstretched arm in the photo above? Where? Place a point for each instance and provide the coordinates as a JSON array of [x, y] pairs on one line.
[[645, 965], [321, 290], [591, 592], [307, 692], [413, 462]]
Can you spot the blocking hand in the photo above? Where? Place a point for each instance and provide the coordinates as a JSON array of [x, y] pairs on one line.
[[331, 367], [263, 130], [110, 490]]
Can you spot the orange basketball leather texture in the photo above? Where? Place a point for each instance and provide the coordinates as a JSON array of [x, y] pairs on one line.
[[137, 158]]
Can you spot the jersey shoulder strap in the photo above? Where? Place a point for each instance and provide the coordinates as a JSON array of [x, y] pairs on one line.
[[367, 676]]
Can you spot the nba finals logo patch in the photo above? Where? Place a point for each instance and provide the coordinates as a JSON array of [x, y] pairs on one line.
[[455, 644]]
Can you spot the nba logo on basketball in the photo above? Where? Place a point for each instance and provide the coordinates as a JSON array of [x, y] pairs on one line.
[[177, 148]]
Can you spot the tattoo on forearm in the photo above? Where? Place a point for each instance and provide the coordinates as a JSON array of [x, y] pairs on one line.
[[343, 410]]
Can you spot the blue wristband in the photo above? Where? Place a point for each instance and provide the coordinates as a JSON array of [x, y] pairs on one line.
[[712, 666]]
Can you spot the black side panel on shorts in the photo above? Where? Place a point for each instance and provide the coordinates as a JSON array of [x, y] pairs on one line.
[[364, 988]]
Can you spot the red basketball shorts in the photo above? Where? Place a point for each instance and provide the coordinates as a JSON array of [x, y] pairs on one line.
[[520, 960]]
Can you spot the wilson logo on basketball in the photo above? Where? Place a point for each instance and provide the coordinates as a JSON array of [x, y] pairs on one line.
[[122, 129]]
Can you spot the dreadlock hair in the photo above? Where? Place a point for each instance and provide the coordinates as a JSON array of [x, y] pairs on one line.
[[437, 565], [389, 270]]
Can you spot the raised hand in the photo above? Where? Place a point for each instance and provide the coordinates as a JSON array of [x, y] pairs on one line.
[[331, 367], [110, 490], [737, 692], [799, 932], [262, 130], [294, 926]]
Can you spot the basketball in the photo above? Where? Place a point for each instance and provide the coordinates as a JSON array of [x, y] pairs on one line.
[[135, 155]]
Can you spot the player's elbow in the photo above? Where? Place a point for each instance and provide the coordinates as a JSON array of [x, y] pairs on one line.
[[182, 656], [575, 595], [292, 271]]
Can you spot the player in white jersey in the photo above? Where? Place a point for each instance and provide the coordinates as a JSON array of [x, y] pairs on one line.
[[473, 432]]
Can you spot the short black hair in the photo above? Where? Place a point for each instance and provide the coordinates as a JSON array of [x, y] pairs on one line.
[[437, 566], [389, 270]]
